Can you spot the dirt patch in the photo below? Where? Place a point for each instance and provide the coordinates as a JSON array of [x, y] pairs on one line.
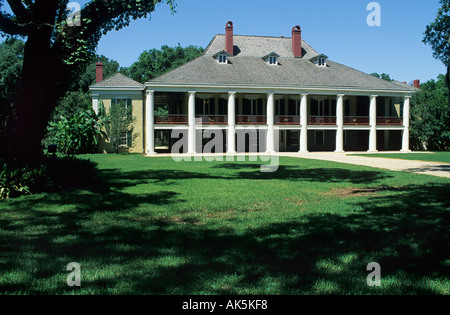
[[165, 219], [295, 201], [352, 192]]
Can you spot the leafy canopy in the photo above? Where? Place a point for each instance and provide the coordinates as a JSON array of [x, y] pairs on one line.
[[430, 117], [437, 34], [73, 44], [383, 76], [154, 62]]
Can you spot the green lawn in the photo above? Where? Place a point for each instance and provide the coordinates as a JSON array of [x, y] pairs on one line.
[[443, 157], [155, 226]]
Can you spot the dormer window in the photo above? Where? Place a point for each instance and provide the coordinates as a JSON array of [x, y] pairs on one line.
[[320, 60], [222, 57], [271, 59]]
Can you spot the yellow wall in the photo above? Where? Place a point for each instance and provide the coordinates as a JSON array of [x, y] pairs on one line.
[[137, 145]]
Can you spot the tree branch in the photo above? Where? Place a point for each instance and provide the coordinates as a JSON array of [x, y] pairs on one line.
[[19, 10], [8, 26]]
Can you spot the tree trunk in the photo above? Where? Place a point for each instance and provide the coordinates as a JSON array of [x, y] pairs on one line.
[[43, 81], [448, 83]]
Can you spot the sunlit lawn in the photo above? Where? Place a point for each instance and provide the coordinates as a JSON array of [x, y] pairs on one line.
[[155, 226], [443, 157]]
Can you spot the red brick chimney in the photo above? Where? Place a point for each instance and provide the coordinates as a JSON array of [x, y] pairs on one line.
[[99, 72], [417, 84], [297, 41], [229, 46]]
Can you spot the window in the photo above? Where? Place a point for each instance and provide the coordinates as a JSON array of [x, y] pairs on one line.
[[319, 138], [124, 138], [320, 60], [205, 106], [125, 105], [271, 59], [223, 59]]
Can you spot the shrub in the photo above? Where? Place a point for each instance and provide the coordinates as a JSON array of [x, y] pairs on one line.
[[77, 134], [53, 174]]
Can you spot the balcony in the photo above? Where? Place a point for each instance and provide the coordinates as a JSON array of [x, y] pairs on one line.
[[390, 121], [213, 119], [321, 120], [356, 120], [171, 119], [251, 120], [287, 120]]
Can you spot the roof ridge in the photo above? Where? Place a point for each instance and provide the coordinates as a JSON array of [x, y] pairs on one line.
[[366, 74], [115, 75]]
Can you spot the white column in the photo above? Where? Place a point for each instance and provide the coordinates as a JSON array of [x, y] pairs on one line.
[[405, 141], [304, 123], [270, 123], [191, 120], [150, 119], [95, 103], [373, 124], [340, 123], [231, 135]]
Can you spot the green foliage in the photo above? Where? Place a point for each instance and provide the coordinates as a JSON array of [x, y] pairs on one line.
[[72, 103], [110, 67], [11, 63], [430, 117], [53, 174], [437, 34], [383, 76], [75, 45], [76, 134], [154, 62], [117, 121]]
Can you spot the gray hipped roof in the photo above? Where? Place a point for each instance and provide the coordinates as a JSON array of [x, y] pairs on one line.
[[118, 81], [247, 67]]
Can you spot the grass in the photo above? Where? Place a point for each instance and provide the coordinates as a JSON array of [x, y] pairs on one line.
[[155, 226], [442, 157]]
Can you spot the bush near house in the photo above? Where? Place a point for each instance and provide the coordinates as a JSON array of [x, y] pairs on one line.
[[77, 134]]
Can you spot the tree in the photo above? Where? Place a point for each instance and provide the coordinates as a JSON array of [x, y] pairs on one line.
[[110, 67], [382, 76], [437, 35], [11, 63], [118, 121], [56, 54], [154, 62], [430, 117]]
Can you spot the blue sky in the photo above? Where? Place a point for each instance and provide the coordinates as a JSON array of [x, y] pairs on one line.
[[335, 28]]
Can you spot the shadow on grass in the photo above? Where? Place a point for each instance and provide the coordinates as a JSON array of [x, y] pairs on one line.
[[405, 230], [247, 171]]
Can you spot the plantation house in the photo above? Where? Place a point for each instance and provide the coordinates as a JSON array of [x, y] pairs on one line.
[[297, 98]]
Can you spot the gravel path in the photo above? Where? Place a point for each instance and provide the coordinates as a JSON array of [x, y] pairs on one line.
[[429, 168]]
